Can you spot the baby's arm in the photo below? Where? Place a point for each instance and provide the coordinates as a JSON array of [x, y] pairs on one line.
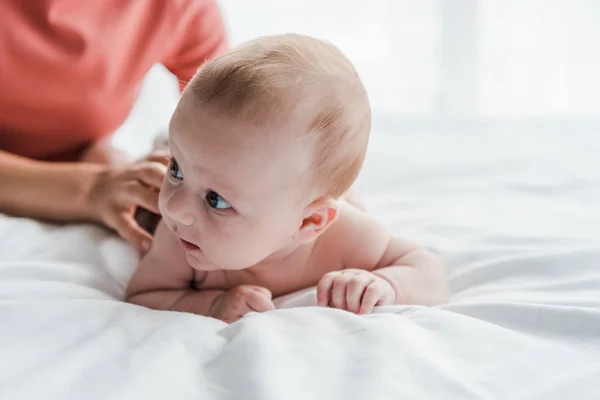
[[379, 268], [164, 279], [416, 274]]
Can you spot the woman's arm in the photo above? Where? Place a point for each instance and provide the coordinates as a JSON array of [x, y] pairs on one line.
[[53, 191], [81, 192]]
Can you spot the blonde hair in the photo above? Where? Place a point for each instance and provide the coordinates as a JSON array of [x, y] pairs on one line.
[[275, 78]]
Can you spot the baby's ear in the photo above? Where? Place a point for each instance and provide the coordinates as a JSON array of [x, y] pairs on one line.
[[318, 216]]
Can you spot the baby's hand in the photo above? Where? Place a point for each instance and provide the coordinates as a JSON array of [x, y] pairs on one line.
[[240, 300], [354, 290]]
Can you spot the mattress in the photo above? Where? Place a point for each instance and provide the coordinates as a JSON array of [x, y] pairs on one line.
[[513, 211]]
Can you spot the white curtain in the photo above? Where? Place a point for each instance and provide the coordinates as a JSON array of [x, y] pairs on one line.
[[491, 62], [516, 59]]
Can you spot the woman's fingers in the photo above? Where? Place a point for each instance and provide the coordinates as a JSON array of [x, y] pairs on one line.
[[132, 232], [117, 192], [150, 173], [162, 157], [140, 195]]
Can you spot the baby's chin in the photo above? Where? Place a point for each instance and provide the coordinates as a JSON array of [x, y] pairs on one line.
[[205, 265], [201, 263]]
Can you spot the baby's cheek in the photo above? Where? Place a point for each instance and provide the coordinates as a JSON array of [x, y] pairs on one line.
[[161, 207], [215, 241], [243, 249], [162, 199]]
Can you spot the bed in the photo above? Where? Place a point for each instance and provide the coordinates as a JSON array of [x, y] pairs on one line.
[[513, 211], [485, 149]]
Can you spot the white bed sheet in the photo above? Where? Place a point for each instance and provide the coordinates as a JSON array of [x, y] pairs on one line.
[[514, 213]]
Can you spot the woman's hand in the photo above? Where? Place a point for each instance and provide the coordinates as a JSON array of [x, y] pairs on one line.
[[117, 191], [161, 156]]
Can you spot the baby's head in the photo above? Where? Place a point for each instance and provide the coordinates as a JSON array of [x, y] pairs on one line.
[[265, 140]]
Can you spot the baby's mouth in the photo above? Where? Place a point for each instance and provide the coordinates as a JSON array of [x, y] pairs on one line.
[[187, 246]]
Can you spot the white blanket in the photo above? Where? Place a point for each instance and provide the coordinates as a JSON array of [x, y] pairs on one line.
[[515, 215]]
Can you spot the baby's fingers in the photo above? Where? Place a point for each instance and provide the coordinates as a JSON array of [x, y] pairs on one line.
[[129, 230], [354, 293], [371, 296], [324, 289], [262, 290], [338, 293], [258, 302]]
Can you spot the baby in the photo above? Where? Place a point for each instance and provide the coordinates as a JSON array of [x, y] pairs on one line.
[[266, 142]]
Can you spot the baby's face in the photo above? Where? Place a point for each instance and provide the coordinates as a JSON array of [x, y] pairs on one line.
[[234, 194]]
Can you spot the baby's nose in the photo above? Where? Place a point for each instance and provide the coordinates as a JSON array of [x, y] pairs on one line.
[[178, 209]]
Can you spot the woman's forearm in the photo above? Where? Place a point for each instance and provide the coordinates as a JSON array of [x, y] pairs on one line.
[[53, 191]]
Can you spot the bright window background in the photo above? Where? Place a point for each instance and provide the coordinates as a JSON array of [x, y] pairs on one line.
[[432, 62]]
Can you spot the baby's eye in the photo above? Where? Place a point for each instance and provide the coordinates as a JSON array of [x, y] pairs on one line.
[[174, 170], [214, 200]]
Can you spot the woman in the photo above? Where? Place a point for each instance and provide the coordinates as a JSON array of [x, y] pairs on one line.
[[70, 72]]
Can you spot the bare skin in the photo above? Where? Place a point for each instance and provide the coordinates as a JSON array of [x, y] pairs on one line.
[[353, 271], [240, 226], [104, 187]]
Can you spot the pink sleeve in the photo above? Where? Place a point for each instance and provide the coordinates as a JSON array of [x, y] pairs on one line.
[[200, 36]]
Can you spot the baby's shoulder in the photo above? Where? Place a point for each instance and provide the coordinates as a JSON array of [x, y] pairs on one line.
[[356, 224], [357, 237]]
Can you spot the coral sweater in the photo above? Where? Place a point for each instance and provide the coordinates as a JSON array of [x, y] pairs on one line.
[[70, 70]]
